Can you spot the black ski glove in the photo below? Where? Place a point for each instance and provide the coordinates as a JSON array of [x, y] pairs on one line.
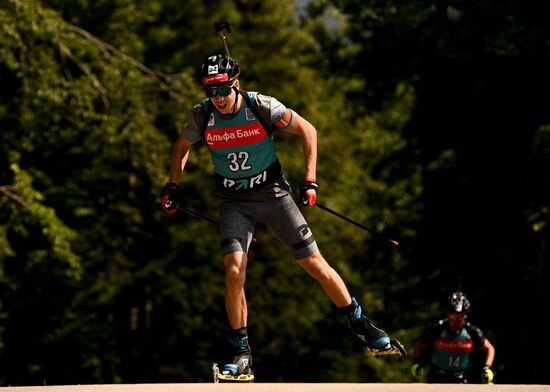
[[308, 193], [170, 202]]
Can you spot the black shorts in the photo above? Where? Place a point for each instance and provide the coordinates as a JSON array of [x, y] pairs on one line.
[[281, 214]]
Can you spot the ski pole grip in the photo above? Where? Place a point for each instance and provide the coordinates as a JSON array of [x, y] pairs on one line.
[[219, 26]]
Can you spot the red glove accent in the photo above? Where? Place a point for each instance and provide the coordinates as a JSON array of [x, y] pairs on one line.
[[170, 200], [308, 193]]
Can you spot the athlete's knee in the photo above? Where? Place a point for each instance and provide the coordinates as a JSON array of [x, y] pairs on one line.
[[317, 266], [235, 267], [231, 245]]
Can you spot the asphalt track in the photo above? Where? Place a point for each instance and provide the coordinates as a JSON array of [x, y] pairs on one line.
[[283, 387]]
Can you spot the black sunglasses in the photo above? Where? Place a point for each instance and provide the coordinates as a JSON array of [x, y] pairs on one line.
[[224, 91]]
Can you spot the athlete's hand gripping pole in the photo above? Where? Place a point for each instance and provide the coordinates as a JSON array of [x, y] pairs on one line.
[[308, 192], [487, 375], [170, 202]]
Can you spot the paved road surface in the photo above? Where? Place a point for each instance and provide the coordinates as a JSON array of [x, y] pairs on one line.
[[282, 387]]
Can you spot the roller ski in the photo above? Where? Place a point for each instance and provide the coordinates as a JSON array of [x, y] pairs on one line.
[[226, 376], [394, 347], [239, 367], [375, 341]]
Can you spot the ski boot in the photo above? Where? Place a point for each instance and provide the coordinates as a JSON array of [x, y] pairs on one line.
[[239, 367], [373, 339]]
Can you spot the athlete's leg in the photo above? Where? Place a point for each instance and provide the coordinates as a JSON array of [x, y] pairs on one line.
[[318, 268], [240, 357], [290, 226], [236, 231], [235, 299], [237, 222], [288, 223]]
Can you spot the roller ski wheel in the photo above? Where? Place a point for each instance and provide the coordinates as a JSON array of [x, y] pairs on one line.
[[394, 347], [225, 376]]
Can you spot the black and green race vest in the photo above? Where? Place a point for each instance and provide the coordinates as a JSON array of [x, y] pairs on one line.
[[241, 148], [452, 352]]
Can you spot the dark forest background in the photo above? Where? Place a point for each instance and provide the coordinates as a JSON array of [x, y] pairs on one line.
[[434, 129]]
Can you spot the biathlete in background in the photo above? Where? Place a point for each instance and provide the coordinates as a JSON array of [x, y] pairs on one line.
[[453, 350]]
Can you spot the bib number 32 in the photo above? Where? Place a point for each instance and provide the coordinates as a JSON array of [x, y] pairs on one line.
[[238, 161]]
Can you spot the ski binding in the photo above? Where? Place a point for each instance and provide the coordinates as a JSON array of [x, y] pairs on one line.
[[396, 349], [223, 376]]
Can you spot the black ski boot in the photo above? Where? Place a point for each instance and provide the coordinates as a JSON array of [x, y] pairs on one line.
[[241, 356], [371, 337]]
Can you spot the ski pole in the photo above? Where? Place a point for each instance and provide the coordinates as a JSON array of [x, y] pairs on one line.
[[197, 214], [219, 26], [395, 243]]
